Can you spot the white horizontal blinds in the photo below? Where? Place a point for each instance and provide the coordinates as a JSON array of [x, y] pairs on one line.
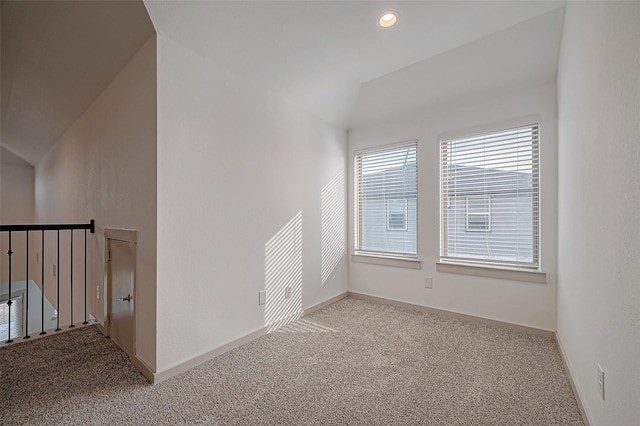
[[386, 200], [489, 198]]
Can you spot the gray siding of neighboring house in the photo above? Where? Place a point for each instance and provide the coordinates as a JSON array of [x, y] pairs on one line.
[[376, 236], [491, 244], [510, 189], [374, 233]]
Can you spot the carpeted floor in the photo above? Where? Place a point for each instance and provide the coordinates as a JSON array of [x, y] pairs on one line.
[[353, 362]]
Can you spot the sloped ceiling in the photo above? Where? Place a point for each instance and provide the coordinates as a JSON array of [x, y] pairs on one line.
[[327, 57], [318, 54], [57, 57]]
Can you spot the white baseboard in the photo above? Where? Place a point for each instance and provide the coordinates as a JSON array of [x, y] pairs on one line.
[[202, 358], [450, 314], [161, 376], [143, 367], [577, 392], [325, 303]]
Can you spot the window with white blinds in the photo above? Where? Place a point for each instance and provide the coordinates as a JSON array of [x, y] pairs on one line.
[[489, 198], [386, 185]]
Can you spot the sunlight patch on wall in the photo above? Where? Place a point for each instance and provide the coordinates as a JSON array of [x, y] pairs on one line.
[[283, 275], [333, 225]]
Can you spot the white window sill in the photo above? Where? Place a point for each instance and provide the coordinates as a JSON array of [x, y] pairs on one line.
[[387, 261], [493, 272]]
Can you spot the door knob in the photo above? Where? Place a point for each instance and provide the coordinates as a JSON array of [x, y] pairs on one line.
[[126, 299]]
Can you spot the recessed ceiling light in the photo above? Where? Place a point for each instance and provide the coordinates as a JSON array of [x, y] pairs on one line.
[[387, 19]]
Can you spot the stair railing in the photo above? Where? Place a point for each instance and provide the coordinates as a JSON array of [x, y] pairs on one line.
[[13, 229]]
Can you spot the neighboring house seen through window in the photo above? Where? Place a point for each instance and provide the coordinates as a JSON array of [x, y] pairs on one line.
[[397, 215], [478, 214], [489, 198], [386, 185]]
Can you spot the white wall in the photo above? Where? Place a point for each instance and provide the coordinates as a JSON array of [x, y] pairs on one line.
[[16, 189], [16, 207], [517, 302], [104, 168], [235, 166], [599, 205]]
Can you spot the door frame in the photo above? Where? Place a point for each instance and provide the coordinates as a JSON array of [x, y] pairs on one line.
[[131, 237]]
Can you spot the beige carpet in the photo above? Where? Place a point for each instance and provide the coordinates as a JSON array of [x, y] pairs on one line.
[[353, 362]]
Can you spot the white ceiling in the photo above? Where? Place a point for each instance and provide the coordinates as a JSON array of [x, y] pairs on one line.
[[327, 57], [57, 57], [520, 55], [318, 54]]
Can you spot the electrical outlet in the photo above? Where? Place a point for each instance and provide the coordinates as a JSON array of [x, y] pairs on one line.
[[428, 282], [98, 292], [600, 382], [262, 297], [287, 292]]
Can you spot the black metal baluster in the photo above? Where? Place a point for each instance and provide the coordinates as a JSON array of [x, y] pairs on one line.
[[85, 277], [43, 297], [42, 284], [71, 281], [26, 317], [58, 280], [9, 302]]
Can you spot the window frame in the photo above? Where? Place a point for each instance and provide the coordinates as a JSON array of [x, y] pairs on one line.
[[535, 266], [373, 256]]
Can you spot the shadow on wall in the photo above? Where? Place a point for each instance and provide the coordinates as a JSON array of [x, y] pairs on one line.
[[333, 225], [283, 275]]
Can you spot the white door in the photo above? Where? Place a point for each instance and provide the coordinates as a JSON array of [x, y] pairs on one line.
[[121, 273]]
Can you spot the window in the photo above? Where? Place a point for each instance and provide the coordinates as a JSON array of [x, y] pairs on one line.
[[478, 214], [386, 183], [489, 198], [15, 320], [396, 215]]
